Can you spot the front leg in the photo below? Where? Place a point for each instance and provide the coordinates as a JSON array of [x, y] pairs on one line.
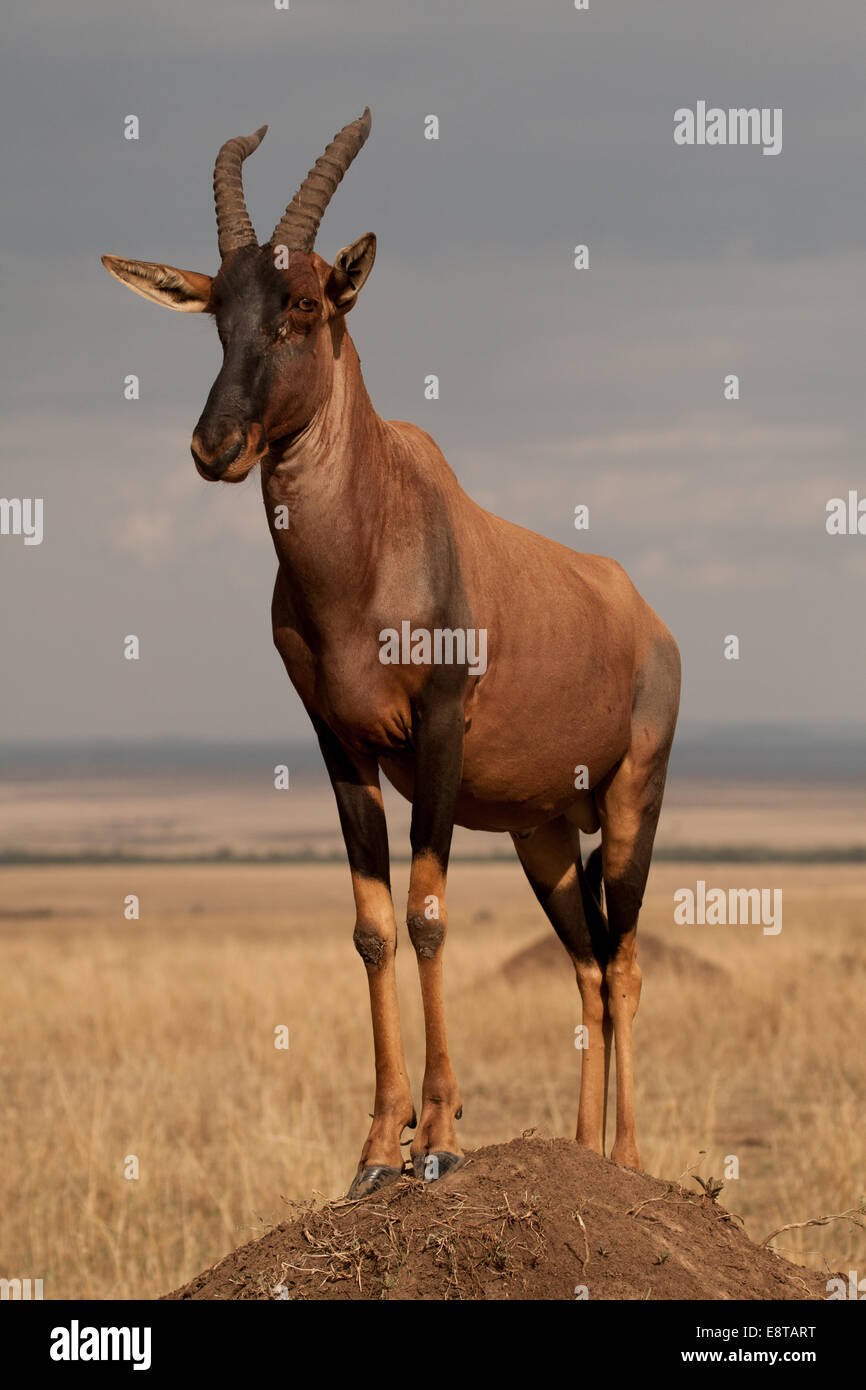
[[355, 780], [439, 727]]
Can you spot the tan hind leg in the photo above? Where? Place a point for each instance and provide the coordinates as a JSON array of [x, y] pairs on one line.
[[629, 803], [550, 857]]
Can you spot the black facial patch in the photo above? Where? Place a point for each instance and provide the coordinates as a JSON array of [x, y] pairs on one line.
[[247, 298], [249, 294]]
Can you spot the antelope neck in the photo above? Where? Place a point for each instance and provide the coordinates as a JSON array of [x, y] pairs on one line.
[[331, 478]]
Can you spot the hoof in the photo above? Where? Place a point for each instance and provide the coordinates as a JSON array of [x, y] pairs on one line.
[[371, 1178], [431, 1167]]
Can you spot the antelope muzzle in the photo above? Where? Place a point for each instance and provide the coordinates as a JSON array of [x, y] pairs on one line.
[[230, 455]]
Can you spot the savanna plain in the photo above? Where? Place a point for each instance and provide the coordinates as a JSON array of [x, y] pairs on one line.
[[154, 1037]]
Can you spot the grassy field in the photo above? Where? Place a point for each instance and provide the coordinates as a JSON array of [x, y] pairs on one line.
[[155, 1038]]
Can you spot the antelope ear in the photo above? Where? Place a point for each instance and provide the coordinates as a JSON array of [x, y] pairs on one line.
[[352, 265], [184, 290]]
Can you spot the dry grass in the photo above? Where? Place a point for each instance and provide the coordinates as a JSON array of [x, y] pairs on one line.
[[156, 1038]]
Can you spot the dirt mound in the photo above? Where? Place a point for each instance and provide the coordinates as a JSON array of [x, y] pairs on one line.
[[533, 1219], [548, 954]]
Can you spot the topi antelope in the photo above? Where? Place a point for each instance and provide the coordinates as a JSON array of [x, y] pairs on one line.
[[580, 675]]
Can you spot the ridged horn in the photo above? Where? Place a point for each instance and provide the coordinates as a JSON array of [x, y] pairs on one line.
[[300, 222], [233, 222]]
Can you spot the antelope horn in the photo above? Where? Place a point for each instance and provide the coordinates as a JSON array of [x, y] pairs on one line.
[[300, 222], [233, 222]]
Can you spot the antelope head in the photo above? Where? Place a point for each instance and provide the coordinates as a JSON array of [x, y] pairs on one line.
[[278, 308]]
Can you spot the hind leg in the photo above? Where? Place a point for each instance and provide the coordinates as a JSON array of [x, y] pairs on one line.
[[550, 857], [628, 803]]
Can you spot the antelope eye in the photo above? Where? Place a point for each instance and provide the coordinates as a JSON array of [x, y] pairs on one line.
[[307, 304]]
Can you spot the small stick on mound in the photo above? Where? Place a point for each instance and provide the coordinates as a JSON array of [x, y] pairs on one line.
[[851, 1215]]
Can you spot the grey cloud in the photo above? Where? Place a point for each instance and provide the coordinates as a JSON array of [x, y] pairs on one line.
[[557, 386]]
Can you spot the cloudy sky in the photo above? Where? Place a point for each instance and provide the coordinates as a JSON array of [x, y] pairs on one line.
[[558, 386]]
